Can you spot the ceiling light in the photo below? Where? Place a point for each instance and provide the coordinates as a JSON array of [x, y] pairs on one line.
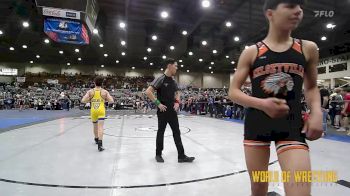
[[154, 37], [212, 63], [205, 3], [150, 63], [323, 38], [79, 59], [228, 24], [101, 45], [200, 60], [161, 69], [149, 49], [164, 57], [184, 32], [215, 51], [68, 63], [24, 46], [188, 71], [211, 72], [235, 69], [95, 31], [164, 14], [61, 52], [116, 61], [180, 61], [1, 32], [145, 58], [182, 65], [123, 43], [37, 56], [209, 67], [47, 41], [31, 62], [25, 24], [133, 68], [190, 53], [102, 66], [232, 62], [106, 55], [77, 50], [122, 25], [172, 47], [123, 54], [236, 38], [204, 43], [227, 57], [330, 26]]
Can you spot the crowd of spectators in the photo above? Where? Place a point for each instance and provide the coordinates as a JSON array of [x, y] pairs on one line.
[[58, 92]]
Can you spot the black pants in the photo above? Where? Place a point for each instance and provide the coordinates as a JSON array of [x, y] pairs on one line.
[[169, 116]]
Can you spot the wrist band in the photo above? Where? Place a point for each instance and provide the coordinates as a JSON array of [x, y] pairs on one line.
[[157, 102]]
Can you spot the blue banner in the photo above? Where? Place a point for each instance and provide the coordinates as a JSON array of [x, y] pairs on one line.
[[66, 31]]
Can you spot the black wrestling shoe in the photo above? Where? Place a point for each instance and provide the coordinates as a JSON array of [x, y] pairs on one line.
[[159, 159], [100, 148], [96, 140], [185, 159]]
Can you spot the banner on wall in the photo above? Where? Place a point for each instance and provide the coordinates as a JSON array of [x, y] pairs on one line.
[[61, 13], [52, 81], [343, 58], [21, 79], [8, 72], [66, 31]]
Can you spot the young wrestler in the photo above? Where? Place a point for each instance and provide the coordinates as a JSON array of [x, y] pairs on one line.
[[278, 66]]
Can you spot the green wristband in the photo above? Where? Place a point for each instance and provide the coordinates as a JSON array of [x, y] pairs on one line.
[[157, 102]]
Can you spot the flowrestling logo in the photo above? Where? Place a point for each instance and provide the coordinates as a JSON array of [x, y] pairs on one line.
[[324, 13]]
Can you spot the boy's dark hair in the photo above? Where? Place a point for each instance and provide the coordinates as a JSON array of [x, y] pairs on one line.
[[272, 4], [169, 61], [98, 81]]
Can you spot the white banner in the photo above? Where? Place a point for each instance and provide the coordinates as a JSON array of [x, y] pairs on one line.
[[60, 13], [21, 79], [51, 81], [8, 72]]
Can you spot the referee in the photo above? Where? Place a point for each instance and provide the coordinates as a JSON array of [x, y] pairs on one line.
[[167, 101]]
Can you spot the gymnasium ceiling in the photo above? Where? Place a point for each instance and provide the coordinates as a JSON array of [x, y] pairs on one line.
[[142, 19]]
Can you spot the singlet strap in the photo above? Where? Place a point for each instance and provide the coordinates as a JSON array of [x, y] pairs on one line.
[[262, 49], [297, 45]]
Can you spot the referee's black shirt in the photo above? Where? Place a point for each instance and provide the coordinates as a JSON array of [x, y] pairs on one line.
[[166, 88]]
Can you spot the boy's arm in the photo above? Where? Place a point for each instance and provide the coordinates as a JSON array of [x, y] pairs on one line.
[[109, 98], [240, 76], [312, 93], [87, 97], [313, 127]]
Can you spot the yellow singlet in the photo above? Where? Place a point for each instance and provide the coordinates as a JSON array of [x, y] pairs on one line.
[[98, 110]]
